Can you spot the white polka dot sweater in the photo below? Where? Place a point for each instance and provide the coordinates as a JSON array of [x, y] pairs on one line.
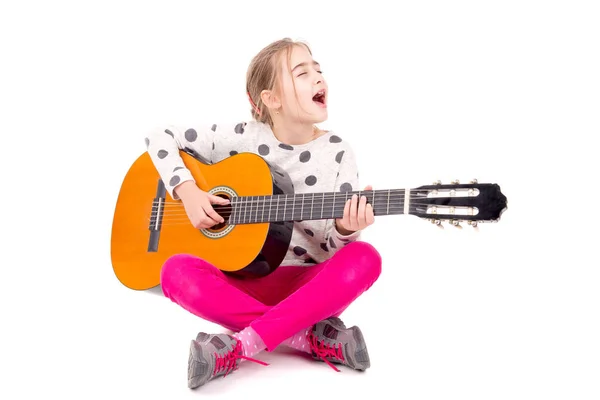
[[326, 164]]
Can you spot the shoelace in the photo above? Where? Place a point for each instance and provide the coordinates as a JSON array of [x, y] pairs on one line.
[[228, 360], [323, 350]]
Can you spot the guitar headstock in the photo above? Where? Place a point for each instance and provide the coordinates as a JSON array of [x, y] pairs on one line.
[[454, 203]]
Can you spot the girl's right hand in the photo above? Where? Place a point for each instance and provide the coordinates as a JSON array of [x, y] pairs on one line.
[[198, 205]]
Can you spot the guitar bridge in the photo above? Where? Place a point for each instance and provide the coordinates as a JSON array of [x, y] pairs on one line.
[[156, 216]]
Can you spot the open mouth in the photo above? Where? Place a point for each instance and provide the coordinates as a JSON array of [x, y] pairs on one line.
[[319, 98]]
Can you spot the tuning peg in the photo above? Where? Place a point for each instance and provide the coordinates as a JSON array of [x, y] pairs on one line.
[[438, 182], [456, 223], [473, 181], [437, 222], [473, 224], [455, 182]]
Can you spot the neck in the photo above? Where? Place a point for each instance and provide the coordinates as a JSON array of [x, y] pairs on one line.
[[311, 206], [294, 132]]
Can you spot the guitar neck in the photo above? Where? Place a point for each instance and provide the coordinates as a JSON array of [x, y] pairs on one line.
[[313, 206]]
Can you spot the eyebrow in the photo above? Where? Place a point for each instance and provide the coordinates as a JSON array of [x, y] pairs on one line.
[[304, 64]]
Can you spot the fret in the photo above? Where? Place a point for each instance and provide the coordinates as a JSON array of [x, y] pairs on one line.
[[263, 211], [285, 207], [244, 216], [302, 209], [312, 205], [277, 208], [322, 204], [294, 209], [270, 206], [388, 202], [333, 206]]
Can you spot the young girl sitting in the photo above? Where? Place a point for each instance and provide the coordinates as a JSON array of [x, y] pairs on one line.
[[326, 267]]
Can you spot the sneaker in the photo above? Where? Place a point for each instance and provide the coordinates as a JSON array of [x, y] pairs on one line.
[[212, 356], [332, 342]]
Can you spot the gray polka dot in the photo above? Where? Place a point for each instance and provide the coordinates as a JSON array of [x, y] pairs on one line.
[[191, 135], [263, 149], [324, 246], [168, 132], [286, 146], [213, 145], [331, 243], [305, 156], [177, 169], [309, 232], [174, 180], [310, 180], [335, 139], [299, 250], [338, 156], [162, 154], [239, 128], [346, 187], [233, 153], [147, 142], [214, 128]]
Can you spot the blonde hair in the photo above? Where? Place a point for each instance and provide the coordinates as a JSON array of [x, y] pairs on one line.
[[263, 74]]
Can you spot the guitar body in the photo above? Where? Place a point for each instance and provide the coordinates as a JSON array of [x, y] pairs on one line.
[[149, 226]]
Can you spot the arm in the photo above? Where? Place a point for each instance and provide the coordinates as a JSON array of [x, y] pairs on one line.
[[163, 146]]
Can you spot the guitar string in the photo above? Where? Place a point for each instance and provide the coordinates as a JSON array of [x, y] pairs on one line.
[[171, 217], [308, 199], [282, 208], [392, 193], [167, 213], [233, 207]]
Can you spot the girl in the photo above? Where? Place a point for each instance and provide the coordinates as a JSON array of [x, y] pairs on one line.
[[326, 267]]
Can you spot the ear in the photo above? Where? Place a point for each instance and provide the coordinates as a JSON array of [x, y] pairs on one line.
[[270, 99]]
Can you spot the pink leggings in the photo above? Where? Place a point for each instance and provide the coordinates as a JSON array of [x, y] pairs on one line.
[[278, 305]]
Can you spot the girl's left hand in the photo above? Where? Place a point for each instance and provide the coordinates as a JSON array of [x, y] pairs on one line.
[[357, 215]]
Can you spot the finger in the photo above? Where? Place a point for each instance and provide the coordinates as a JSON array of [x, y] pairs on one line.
[[361, 214], [370, 215], [353, 211], [218, 200], [212, 214], [346, 218], [369, 187]]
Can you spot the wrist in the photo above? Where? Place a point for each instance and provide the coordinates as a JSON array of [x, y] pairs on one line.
[[184, 188], [341, 230]]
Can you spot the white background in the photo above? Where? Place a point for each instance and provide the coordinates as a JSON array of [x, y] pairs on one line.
[[506, 92]]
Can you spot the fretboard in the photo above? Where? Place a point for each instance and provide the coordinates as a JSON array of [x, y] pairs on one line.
[[311, 206]]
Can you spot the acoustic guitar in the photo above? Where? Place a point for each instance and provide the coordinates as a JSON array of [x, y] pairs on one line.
[[149, 226]]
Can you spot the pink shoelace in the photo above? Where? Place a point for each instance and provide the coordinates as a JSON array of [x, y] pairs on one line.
[[227, 361], [323, 350]]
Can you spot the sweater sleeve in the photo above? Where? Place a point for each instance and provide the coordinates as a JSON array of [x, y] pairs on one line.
[[347, 180], [164, 144]]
